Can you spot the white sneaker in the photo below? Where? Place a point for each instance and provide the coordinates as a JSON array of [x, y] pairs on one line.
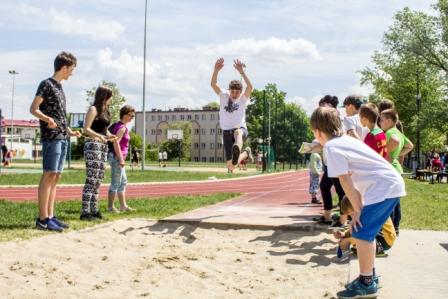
[[249, 153]]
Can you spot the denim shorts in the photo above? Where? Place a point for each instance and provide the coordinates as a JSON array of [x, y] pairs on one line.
[[53, 155], [119, 178], [373, 218]]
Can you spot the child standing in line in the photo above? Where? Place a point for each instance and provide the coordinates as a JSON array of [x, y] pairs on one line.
[[376, 138], [315, 168], [352, 122], [362, 173], [398, 145]]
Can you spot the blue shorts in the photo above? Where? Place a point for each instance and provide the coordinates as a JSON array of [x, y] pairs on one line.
[[373, 218], [53, 155]]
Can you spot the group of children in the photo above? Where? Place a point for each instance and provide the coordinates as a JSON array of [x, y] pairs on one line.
[[364, 152]]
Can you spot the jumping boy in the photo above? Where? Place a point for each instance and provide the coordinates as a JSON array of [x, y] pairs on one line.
[[363, 175], [232, 113], [49, 106]]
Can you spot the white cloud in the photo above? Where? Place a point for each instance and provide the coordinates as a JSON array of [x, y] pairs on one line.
[[307, 104], [62, 22], [272, 48]]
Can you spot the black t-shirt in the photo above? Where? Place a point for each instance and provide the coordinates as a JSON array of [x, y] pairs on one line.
[[54, 106]]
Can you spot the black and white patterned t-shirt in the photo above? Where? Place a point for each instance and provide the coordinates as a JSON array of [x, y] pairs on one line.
[[54, 106]]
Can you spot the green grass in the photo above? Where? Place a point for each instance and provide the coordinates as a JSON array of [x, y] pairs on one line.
[[78, 176], [17, 219], [425, 206]]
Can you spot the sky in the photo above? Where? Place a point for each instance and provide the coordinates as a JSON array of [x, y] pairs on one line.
[[308, 48]]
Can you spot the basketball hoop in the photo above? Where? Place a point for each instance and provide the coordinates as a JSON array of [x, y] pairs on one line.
[[175, 135]]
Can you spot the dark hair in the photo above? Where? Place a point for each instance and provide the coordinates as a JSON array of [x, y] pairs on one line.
[[235, 84], [353, 100], [390, 114], [346, 205], [102, 94], [329, 100], [64, 59], [369, 111], [125, 110], [385, 104], [326, 119]]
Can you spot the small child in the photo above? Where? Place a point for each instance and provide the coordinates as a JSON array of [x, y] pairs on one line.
[[363, 175], [352, 122], [376, 138], [384, 240], [315, 168]]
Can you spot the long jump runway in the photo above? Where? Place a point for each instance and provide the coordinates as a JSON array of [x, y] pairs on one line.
[[274, 200]]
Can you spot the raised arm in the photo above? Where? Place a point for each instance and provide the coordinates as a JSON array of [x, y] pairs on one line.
[[219, 64], [239, 66]]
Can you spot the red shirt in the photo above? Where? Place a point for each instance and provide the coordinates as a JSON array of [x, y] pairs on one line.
[[376, 139]]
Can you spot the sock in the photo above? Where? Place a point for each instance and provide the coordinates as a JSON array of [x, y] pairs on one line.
[[373, 272], [366, 279]]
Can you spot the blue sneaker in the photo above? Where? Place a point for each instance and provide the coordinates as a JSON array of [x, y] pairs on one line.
[[359, 290], [48, 224], [376, 279], [59, 222]]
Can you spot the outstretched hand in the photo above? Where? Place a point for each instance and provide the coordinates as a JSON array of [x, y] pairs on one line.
[[219, 64], [239, 65]]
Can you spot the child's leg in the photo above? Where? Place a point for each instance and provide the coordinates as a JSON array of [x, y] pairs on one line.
[[344, 243], [366, 256]]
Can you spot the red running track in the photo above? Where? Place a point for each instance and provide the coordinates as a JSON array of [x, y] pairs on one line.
[[262, 184]]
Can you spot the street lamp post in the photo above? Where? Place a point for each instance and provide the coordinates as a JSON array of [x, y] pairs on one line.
[[144, 92], [418, 104], [13, 73]]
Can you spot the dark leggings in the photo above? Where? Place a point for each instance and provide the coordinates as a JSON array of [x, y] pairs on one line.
[[396, 216], [325, 189]]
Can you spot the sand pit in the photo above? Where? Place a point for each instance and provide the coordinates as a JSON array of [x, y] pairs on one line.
[[143, 259]]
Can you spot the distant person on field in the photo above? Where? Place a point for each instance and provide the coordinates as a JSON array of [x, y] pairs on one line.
[[164, 158]]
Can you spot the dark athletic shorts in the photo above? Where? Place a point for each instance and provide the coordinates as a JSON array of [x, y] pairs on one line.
[[229, 140]]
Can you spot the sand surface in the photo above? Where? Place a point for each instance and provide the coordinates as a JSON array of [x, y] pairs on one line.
[[140, 258]]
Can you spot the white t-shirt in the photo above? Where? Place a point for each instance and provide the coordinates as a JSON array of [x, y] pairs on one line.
[[372, 175], [160, 155], [354, 123], [232, 114]]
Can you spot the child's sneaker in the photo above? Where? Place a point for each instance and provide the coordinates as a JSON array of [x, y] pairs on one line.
[[249, 154], [359, 290], [86, 217], [376, 279], [59, 222], [97, 215]]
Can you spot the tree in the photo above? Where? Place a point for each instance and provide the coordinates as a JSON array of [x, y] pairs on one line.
[[117, 102], [414, 54], [214, 105], [289, 122]]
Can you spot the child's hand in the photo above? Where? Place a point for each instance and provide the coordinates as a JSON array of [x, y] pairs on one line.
[[356, 223], [338, 234]]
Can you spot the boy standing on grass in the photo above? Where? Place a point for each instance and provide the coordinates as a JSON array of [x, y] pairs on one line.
[[232, 114], [398, 146], [49, 106], [362, 173]]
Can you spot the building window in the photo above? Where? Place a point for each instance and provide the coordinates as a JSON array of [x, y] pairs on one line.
[[219, 145], [182, 117], [203, 145], [196, 116], [189, 117], [212, 159], [212, 146], [212, 131], [219, 131], [196, 145], [153, 132], [173, 117], [204, 117], [167, 117], [204, 159], [153, 117], [196, 131], [212, 117], [159, 117], [196, 159], [202, 131], [219, 159]]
